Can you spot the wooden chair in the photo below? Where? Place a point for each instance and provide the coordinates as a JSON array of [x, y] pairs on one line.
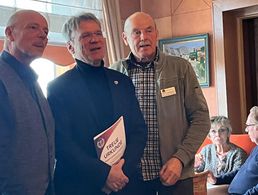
[[243, 141], [200, 183]]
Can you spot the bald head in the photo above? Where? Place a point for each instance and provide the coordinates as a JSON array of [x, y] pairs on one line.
[[139, 17], [20, 15], [26, 35]]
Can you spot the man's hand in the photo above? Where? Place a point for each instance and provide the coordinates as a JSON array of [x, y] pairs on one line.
[[171, 172], [116, 179], [211, 178]]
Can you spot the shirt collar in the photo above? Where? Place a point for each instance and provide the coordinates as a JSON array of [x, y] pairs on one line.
[[143, 65], [88, 67]]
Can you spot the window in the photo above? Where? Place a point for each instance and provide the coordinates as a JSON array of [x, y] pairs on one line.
[[57, 12], [45, 70]]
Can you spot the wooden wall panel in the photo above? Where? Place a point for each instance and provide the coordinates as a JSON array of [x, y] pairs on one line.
[[128, 7], [192, 23], [164, 27], [157, 9], [187, 6], [59, 55], [186, 17]]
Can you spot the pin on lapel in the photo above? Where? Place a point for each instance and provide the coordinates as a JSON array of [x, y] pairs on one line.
[[116, 82]]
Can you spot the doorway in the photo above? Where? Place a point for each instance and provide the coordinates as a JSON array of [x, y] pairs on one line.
[[250, 43], [236, 58]]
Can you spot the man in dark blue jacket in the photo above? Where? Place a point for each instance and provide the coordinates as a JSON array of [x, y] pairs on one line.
[[85, 101], [245, 180]]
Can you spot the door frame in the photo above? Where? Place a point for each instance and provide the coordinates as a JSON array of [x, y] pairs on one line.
[[238, 10]]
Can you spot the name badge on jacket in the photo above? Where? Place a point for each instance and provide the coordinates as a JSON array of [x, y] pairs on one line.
[[168, 91]]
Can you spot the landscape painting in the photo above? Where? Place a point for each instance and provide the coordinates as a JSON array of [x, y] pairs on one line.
[[193, 48]]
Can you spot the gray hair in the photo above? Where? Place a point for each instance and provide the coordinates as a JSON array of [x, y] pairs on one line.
[[223, 121], [73, 23], [254, 114]]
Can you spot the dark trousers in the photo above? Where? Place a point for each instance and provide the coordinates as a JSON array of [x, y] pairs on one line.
[[155, 187]]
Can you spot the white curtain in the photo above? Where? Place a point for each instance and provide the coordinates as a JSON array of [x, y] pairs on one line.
[[113, 29]]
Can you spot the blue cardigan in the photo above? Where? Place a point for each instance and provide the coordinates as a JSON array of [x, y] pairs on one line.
[[233, 160]]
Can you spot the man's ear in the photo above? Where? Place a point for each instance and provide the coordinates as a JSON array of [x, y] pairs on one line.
[[9, 33], [69, 46], [125, 38]]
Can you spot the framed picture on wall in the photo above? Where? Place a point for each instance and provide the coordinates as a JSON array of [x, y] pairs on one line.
[[193, 48]]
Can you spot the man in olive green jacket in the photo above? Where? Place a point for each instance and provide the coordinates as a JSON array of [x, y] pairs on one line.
[[173, 106]]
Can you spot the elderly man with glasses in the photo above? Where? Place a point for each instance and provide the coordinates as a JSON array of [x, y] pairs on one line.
[[85, 101]]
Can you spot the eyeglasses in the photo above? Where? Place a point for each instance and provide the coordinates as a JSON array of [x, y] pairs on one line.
[[89, 35], [248, 126], [213, 131]]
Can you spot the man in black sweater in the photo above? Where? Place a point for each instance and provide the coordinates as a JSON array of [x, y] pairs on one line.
[[85, 101]]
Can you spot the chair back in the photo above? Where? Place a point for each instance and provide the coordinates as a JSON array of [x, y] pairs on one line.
[[200, 183], [241, 140]]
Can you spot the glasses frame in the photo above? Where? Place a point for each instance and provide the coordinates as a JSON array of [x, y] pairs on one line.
[[247, 126]]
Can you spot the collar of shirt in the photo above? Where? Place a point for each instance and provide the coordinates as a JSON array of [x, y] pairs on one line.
[[26, 73], [143, 65], [88, 67]]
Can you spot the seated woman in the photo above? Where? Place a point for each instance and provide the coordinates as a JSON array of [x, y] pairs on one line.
[[221, 156], [245, 180]]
